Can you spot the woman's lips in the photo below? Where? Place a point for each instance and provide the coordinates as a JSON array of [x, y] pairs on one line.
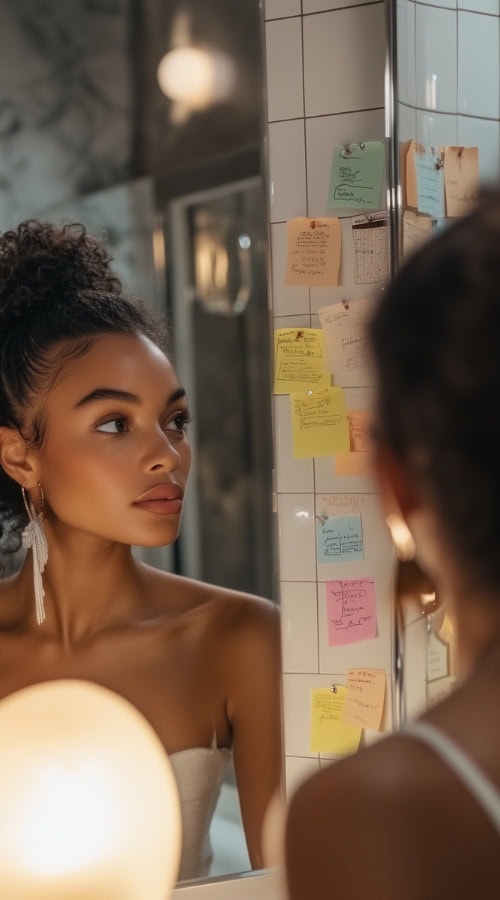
[[164, 499]]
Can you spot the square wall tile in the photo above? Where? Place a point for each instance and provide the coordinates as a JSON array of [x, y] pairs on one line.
[[484, 134], [336, 78], [322, 135], [435, 129], [287, 300], [287, 170], [491, 7], [407, 122], [297, 712], [436, 58], [448, 4], [478, 65], [292, 475], [297, 770], [278, 9], [405, 23], [299, 626], [296, 537], [285, 88]]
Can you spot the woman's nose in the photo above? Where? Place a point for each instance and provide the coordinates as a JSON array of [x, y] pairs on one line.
[[161, 454]]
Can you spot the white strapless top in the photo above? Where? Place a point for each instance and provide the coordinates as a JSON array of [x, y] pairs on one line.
[[199, 772]]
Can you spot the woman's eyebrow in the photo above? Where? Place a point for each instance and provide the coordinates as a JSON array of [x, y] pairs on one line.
[[106, 393]]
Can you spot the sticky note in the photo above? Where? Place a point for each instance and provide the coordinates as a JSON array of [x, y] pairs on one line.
[[328, 734], [461, 179], [339, 539], [416, 229], [351, 609], [319, 423], [438, 658], [346, 341], [299, 360], [430, 180], [360, 423], [313, 252], [356, 176], [370, 236], [410, 171], [364, 698], [353, 464]]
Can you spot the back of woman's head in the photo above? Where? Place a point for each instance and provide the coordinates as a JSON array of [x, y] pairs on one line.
[[435, 339], [57, 294]]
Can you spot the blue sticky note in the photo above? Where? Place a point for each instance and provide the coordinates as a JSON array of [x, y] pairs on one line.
[[339, 539], [356, 176], [430, 181]]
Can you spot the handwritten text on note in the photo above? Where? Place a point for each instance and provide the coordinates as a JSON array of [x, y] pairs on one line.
[[345, 336], [299, 360], [328, 734], [351, 608], [430, 180], [313, 252], [370, 235], [364, 701], [461, 179], [356, 176], [339, 539], [319, 423]]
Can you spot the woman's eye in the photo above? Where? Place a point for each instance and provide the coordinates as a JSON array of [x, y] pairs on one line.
[[179, 422], [117, 425]]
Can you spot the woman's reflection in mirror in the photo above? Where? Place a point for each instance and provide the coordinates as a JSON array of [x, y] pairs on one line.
[[417, 815], [94, 458]]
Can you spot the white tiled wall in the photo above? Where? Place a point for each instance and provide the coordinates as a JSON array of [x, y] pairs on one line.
[[338, 71]]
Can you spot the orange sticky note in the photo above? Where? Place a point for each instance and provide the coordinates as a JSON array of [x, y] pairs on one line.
[[360, 429], [313, 252], [353, 464], [461, 179], [364, 699], [417, 228], [411, 176]]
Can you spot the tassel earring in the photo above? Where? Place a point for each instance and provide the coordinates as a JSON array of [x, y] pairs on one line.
[[34, 538]]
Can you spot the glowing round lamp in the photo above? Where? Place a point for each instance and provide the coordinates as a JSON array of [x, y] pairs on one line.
[[89, 808]]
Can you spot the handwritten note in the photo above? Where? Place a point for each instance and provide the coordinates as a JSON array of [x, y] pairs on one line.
[[371, 248], [360, 425], [416, 229], [339, 539], [346, 341], [328, 734], [364, 698], [351, 608], [438, 658], [356, 176], [339, 504], [299, 360], [461, 179], [430, 180], [313, 252], [410, 193], [319, 423]]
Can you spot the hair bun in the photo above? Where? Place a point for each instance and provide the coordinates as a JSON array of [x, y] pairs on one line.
[[40, 260]]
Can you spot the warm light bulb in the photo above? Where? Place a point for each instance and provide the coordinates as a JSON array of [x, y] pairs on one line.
[[195, 78], [89, 806]]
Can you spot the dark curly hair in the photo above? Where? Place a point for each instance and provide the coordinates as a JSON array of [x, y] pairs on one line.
[[435, 339], [57, 292]]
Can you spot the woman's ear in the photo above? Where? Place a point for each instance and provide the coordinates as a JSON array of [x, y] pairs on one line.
[[16, 458]]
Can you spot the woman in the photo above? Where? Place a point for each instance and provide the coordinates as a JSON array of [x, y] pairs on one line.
[[418, 814], [94, 458]]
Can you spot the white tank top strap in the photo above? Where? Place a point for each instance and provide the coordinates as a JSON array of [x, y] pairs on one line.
[[480, 786]]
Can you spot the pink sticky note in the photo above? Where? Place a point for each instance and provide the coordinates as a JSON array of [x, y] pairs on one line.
[[351, 607]]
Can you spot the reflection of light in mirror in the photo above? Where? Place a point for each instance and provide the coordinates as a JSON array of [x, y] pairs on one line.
[[302, 514], [211, 265], [244, 241], [196, 78], [431, 92]]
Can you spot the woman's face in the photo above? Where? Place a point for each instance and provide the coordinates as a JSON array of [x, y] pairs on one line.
[[116, 431]]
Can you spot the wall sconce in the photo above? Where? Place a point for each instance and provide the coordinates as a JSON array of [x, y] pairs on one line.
[[89, 807]]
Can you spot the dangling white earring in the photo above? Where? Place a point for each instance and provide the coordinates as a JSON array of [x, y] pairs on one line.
[[34, 538], [402, 538]]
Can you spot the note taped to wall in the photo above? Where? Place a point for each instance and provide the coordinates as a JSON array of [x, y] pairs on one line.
[[299, 360], [339, 539], [328, 734], [339, 504], [358, 465], [410, 170], [356, 176], [461, 179], [430, 180], [370, 236], [313, 252], [351, 609], [360, 425], [319, 423], [364, 698], [416, 229], [346, 341]]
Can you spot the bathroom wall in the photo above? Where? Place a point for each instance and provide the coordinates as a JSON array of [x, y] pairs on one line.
[[325, 85]]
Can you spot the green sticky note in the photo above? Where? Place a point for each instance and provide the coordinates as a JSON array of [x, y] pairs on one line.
[[356, 176]]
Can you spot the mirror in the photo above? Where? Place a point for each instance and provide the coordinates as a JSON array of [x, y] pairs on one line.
[[174, 184], [432, 45]]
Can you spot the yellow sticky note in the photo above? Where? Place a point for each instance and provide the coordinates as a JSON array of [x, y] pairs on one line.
[[313, 252], [461, 179], [358, 464], [299, 360], [364, 699], [319, 423], [328, 734]]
